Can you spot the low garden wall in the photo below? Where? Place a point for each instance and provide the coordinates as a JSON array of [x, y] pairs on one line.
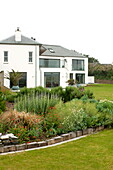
[[57, 139], [104, 81]]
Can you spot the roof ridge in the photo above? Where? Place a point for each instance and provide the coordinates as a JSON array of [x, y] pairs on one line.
[[24, 40], [52, 45]]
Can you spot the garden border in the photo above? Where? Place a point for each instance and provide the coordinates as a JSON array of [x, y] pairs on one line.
[[50, 142]]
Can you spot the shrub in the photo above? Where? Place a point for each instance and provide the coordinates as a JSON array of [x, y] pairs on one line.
[[51, 124], [11, 97], [39, 90], [2, 103], [23, 125], [71, 93], [76, 115]]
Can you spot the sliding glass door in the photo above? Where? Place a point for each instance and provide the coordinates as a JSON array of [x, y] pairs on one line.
[[51, 79]]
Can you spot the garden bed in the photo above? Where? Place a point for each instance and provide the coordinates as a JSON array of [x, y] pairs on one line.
[[57, 139]]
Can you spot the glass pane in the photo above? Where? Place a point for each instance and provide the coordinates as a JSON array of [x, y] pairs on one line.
[[71, 75], [49, 63], [51, 79], [30, 59], [5, 59], [80, 78], [74, 65], [5, 53], [77, 64], [22, 81]]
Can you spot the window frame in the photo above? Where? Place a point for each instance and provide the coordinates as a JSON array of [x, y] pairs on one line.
[[30, 57], [5, 56], [78, 65]]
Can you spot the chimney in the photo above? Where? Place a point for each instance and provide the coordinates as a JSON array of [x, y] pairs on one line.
[[18, 34]]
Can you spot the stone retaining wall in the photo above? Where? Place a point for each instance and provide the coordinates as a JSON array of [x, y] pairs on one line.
[[104, 81], [58, 139]]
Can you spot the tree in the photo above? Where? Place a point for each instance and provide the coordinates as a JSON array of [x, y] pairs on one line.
[[92, 60]]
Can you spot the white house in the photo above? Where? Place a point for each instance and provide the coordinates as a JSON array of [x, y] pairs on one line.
[[42, 65]]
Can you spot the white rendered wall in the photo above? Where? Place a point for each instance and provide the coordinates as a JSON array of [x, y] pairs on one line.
[[18, 59], [91, 79], [64, 72]]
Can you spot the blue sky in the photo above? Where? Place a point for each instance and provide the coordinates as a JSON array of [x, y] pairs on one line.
[[82, 25]]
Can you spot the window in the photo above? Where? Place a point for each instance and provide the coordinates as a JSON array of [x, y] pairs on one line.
[[51, 79], [49, 63], [5, 56], [51, 50], [30, 57], [71, 76], [77, 64], [80, 78], [22, 81]]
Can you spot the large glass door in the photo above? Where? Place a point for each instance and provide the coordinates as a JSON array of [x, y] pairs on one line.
[[80, 78], [51, 79]]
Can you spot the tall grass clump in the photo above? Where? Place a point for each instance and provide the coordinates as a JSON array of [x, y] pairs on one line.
[[38, 103]]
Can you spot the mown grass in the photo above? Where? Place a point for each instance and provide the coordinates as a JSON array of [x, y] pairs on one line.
[[89, 153], [101, 91]]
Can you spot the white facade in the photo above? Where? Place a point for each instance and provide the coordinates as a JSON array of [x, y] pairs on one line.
[[17, 58]]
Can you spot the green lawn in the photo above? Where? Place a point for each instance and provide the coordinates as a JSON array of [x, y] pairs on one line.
[[101, 91], [89, 153]]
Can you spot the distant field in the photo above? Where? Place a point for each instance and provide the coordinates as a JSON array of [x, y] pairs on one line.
[[101, 91]]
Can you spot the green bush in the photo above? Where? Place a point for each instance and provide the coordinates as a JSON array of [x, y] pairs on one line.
[[11, 97], [76, 115], [51, 124], [39, 89], [2, 103], [66, 94], [71, 93]]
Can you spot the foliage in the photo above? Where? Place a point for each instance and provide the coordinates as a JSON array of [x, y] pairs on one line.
[[101, 71], [77, 114], [36, 103], [66, 94], [92, 60], [24, 125], [73, 92], [2, 103], [71, 82], [51, 124], [35, 90]]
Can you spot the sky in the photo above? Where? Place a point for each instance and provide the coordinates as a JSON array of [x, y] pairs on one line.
[[85, 26]]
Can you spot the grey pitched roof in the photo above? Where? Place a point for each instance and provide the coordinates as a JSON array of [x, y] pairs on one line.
[[55, 50], [24, 41]]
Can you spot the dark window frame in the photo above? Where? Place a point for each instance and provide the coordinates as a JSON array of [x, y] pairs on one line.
[[78, 65], [5, 56], [30, 56]]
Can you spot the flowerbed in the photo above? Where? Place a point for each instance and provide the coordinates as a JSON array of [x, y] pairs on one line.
[[63, 137], [63, 118], [44, 115]]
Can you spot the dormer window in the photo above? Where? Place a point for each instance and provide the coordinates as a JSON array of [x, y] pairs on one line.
[[51, 50], [30, 57], [5, 56]]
